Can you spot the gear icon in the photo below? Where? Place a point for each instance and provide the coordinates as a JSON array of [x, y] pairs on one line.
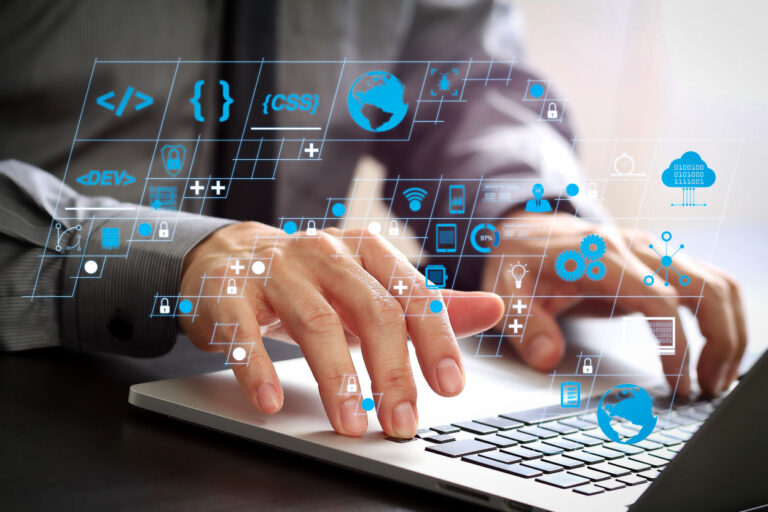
[[592, 247], [595, 270], [565, 257]]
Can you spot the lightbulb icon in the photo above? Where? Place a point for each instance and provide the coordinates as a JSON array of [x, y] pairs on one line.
[[518, 271]]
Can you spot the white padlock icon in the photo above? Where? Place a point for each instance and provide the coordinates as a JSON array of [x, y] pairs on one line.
[[351, 384], [393, 229], [592, 193], [552, 111], [231, 287], [311, 228], [165, 306], [587, 368], [163, 231]]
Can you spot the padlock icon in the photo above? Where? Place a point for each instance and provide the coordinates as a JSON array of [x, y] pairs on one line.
[[163, 231], [587, 368], [174, 159], [231, 287], [592, 192], [165, 306], [552, 111], [351, 384], [311, 228], [393, 229]]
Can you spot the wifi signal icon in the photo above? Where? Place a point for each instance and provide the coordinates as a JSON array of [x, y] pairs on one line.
[[415, 196]]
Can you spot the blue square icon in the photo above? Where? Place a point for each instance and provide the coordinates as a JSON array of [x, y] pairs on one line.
[[110, 238], [436, 276], [446, 238]]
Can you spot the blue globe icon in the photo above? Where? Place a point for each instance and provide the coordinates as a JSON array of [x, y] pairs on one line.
[[626, 403], [376, 101]]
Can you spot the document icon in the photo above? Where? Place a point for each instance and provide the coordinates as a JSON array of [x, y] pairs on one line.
[[570, 394]]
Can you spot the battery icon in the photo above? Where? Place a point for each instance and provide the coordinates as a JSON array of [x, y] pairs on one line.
[[570, 394]]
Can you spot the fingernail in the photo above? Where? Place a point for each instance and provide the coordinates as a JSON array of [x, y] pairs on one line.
[[352, 417], [722, 379], [268, 399], [540, 350], [449, 378], [404, 420]]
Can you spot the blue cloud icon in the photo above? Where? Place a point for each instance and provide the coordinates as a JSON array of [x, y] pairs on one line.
[[688, 171]]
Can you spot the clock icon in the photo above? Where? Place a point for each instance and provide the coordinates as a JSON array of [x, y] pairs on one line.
[[624, 165]]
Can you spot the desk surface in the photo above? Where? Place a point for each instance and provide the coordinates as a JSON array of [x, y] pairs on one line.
[[70, 440]]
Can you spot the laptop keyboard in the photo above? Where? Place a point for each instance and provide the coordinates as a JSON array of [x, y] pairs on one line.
[[567, 451]]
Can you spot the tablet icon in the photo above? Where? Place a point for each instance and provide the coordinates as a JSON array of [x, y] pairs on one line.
[[446, 238], [570, 394]]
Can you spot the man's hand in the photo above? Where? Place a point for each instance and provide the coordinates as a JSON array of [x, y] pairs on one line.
[[628, 259], [322, 292]]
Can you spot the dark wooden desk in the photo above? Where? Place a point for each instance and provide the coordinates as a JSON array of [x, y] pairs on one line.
[[69, 440]]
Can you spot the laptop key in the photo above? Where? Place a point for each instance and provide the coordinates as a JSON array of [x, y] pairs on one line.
[[496, 440], [547, 449], [499, 423], [461, 448], [523, 453], [589, 418], [583, 456], [597, 434], [538, 432], [632, 480], [582, 439], [518, 436], [610, 485], [564, 461], [595, 476], [512, 469], [502, 457], [563, 480], [604, 452], [533, 416], [475, 428], [677, 434], [663, 454], [445, 429], [648, 445], [424, 432], [589, 490], [624, 448], [440, 438], [656, 437], [577, 423], [651, 474], [691, 429], [558, 427], [611, 470], [631, 465], [647, 458], [541, 465], [564, 444], [675, 448]]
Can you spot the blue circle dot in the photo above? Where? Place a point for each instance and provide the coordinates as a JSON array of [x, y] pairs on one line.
[[666, 261], [572, 189], [435, 306], [414, 205], [536, 90], [367, 404], [339, 209], [290, 227], [145, 229], [185, 306]]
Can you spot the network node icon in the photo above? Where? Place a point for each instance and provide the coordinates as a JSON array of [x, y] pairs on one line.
[[666, 263], [415, 196]]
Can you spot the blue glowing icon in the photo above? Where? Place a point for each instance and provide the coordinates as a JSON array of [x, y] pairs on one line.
[[484, 236], [666, 263], [367, 404], [376, 101], [537, 204], [436, 277], [435, 306], [163, 198], [571, 265], [415, 196], [110, 238], [628, 402], [185, 306], [688, 173], [145, 101], [536, 90], [338, 209], [446, 86], [227, 101], [456, 199], [445, 237], [173, 158], [570, 394]]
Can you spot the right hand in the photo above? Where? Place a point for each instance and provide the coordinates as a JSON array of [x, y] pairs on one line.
[[322, 292]]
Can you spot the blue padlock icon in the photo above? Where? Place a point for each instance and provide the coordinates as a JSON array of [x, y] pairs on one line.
[[173, 158]]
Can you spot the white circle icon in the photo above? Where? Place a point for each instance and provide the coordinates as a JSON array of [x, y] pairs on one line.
[[374, 227], [239, 353], [91, 267], [258, 267]]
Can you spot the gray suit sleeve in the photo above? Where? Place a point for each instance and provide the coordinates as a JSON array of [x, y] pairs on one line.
[[52, 303]]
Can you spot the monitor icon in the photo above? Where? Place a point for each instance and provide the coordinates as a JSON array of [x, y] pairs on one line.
[[445, 237], [110, 238]]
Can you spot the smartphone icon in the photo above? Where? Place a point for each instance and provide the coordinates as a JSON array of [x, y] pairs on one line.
[[456, 199]]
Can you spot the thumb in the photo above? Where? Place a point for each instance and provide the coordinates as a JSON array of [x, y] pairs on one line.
[[542, 345], [472, 312]]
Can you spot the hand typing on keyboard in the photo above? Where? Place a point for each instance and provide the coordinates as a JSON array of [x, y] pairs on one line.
[[712, 295]]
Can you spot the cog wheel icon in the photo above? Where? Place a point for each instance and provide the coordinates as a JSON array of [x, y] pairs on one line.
[[566, 257], [595, 270], [592, 247]]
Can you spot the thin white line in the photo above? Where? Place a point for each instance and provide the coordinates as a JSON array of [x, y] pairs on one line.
[[89, 208], [277, 128]]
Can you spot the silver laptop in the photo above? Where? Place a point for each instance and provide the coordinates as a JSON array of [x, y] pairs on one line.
[[506, 442]]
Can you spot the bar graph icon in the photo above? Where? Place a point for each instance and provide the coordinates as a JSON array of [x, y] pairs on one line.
[[570, 394]]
